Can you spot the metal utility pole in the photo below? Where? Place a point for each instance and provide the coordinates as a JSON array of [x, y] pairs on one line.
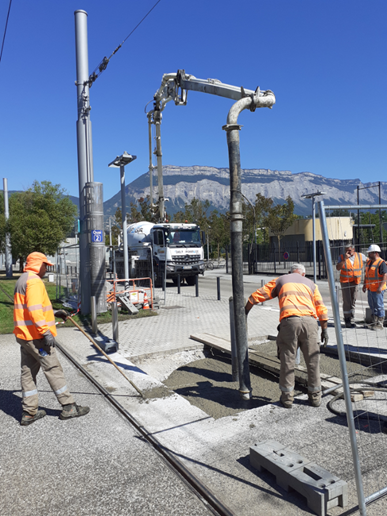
[[8, 253], [91, 238], [312, 196], [120, 163]]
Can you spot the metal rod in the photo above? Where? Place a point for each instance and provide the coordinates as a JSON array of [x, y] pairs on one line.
[[115, 321], [94, 315], [376, 495], [343, 365], [197, 285], [124, 228], [314, 238], [357, 206], [8, 252], [218, 287], [178, 283]]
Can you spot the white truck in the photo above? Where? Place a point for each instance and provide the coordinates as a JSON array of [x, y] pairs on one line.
[[151, 247]]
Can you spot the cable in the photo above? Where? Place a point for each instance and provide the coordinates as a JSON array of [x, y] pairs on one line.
[[5, 30], [105, 61]]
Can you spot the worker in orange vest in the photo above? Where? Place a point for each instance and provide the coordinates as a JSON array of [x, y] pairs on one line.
[[375, 282], [350, 266], [300, 305], [35, 331]]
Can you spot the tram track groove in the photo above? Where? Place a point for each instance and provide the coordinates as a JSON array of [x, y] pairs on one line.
[[207, 497]]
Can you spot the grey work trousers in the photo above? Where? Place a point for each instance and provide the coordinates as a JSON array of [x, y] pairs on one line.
[[31, 362], [294, 333], [349, 291]]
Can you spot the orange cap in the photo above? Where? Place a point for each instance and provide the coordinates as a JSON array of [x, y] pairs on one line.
[[35, 260]]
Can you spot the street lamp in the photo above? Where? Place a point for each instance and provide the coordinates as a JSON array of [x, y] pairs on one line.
[[312, 196], [120, 163]]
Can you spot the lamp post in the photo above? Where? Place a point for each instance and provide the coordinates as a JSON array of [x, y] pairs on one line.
[[312, 196], [120, 163]]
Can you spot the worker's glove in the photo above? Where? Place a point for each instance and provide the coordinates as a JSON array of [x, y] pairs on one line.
[[48, 339], [62, 314], [324, 337]]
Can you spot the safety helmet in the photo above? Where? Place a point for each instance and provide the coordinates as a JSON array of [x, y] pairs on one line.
[[373, 248]]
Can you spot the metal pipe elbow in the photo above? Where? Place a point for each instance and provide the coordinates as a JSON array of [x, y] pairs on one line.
[[260, 100]]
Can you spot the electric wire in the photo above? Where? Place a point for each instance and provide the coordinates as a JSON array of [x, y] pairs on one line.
[[105, 61], [5, 30]]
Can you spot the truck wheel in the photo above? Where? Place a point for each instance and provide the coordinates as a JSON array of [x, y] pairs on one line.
[[190, 280]]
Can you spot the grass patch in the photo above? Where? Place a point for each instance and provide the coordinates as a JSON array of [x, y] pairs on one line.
[[7, 287]]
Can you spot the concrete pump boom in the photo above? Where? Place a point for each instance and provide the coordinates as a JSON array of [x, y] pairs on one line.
[[175, 86]]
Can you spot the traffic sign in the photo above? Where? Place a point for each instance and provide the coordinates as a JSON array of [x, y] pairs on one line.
[[96, 235], [286, 255]]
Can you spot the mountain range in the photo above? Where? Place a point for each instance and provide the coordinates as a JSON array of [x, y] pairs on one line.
[[182, 184]]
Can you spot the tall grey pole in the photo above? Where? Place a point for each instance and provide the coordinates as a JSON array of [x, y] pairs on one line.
[[8, 252], [85, 170], [124, 229], [343, 365], [314, 238]]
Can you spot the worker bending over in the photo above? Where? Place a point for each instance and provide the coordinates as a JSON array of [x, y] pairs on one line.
[[35, 331], [300, 305]]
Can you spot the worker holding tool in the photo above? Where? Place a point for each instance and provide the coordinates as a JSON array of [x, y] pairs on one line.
[[350, 266], [300, 305], [35, 331], [375, 282]]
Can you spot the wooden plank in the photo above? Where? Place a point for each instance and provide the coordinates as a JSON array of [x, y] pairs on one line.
[[213, 341]]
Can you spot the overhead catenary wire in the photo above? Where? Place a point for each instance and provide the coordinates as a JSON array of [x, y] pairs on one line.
[[105, 61], [5, 30]]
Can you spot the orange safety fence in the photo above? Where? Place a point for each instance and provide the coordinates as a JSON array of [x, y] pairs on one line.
[[114, 293]]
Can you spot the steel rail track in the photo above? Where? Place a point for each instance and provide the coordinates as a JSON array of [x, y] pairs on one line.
[[193, 483]]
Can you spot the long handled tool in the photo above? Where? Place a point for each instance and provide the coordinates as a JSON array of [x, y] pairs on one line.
[[110, 360]]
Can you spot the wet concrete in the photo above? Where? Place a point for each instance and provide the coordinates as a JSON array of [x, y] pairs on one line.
[[207, 383]]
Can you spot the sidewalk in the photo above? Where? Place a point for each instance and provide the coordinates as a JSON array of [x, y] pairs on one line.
[[97, 464]]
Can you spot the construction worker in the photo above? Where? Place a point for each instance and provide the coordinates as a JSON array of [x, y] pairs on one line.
[[300, 305], [375, 282], [350, 266], [35, 331]]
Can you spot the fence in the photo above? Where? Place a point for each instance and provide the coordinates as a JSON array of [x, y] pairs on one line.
[[67, 275]]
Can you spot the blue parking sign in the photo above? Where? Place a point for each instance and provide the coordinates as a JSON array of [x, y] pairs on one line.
[[96, 235]]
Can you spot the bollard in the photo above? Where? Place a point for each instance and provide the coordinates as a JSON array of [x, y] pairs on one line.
[[94, 327], [178, 283], [234, 355], [218, 286], [115, 321], [163, 283], [197, 285]]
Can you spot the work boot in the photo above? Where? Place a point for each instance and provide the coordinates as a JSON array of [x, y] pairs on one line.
[[315, 399], [73, 410], [27, 419], [378, 324], [348, 323], [286, 402]]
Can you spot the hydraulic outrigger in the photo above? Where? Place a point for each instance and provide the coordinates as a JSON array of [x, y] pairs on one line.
[[175, 86]]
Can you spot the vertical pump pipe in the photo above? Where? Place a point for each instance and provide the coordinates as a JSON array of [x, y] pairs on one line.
[[85, 170], [8, 253], [264, 99], [150, 160], [157, 118], [124, 226]]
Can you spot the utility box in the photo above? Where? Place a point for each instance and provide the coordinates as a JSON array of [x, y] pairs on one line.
[[51, 278]]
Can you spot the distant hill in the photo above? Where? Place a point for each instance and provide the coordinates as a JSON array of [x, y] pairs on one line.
[[182, 184]]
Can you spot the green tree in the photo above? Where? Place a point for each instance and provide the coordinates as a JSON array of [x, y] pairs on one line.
[[141, 210], [279, 218], [40, 219]]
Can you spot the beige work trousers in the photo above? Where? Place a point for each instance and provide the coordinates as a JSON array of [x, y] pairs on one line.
[[349, 291], [298, 332], [31, 362]]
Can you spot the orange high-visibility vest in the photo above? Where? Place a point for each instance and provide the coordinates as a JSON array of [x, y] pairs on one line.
[[296, 294], [32, 314], [351, 272], [373, 278]]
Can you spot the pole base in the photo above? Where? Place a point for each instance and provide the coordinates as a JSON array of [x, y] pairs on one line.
[[245, 395]]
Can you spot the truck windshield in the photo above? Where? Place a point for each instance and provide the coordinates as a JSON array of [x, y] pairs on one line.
[[184, 238]]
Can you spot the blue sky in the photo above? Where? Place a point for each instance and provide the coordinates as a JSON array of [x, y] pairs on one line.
[[324, 60]]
